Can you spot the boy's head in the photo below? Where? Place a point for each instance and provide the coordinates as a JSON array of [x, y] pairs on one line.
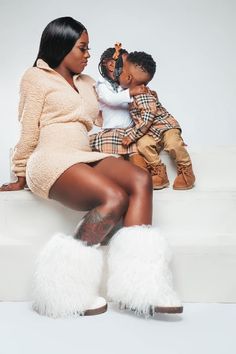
[[138, 69]]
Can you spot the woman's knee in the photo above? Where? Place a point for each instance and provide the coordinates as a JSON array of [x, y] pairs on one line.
[[116, 200], [142, 181]]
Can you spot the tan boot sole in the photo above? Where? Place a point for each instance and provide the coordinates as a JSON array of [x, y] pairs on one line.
[[173, 310], [161, 187], [95, 312], [183, 188]]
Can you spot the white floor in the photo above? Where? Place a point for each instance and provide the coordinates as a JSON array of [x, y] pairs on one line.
[[202, 329]]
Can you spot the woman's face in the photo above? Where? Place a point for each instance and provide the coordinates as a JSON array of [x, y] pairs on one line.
[[76, 60]]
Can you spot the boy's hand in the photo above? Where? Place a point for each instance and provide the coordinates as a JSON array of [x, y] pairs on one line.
[[138, 90], [126, 141]]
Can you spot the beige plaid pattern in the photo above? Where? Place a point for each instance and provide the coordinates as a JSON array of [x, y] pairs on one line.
[[150, 117]]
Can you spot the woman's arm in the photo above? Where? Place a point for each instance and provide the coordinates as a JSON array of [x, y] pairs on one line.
[[31, 104], [14, 186]]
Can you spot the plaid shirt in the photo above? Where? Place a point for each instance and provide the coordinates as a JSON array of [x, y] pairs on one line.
[[150, 117]]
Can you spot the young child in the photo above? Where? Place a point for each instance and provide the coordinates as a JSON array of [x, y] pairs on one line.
[[154, 128], [114, 101]]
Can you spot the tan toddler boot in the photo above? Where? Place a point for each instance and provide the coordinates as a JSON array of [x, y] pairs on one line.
[[139, 161], [159, 176], [185, 178]]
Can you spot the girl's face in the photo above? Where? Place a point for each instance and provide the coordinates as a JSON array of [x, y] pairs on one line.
[[76, 60], [125, 77], [110, 66]]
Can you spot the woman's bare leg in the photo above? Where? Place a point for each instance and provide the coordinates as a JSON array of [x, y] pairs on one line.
[[81, 187], [136, 183]]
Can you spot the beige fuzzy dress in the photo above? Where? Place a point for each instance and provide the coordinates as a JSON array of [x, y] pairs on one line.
[[55, 120]]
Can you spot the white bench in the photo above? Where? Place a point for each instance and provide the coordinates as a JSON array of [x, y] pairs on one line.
[[200, 225]]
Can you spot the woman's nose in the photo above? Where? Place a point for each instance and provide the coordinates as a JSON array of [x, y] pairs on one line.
[[87, 54]]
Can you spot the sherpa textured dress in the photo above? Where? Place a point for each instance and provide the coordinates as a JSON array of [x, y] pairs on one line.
[[55, 120]]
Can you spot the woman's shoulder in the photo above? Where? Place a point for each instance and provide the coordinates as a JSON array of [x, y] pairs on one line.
[[31, 74], [33, 79]]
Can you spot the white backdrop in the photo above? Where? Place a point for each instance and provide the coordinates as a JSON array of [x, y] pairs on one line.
[[192, 41]]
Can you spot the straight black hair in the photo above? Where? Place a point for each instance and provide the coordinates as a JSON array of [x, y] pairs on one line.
[[58, 38]]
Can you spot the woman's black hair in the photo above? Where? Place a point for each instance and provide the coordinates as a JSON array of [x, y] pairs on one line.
[[144, 60], [107, 55], [58, 38]]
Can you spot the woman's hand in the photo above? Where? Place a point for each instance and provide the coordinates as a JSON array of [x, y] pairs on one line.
[[99, 120], [126, 141], [14, 186], [138, 90]]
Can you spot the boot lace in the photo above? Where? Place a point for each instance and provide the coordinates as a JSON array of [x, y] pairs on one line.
[[185, 171], [157, 170]]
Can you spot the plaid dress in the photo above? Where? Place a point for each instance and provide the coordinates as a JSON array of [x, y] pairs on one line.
[[110, 142], [149, 117]]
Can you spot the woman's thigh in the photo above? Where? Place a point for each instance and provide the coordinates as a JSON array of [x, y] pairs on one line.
[[136, 183], [125, 174], [82, 187]]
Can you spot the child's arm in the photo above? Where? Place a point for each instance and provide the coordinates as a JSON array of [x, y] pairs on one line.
[[115, 99], [99, 120], [146, 104], [112, 98]]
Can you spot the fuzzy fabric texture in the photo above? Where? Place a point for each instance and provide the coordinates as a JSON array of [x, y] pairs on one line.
[[67, 277], [139, 274], [55, 120]]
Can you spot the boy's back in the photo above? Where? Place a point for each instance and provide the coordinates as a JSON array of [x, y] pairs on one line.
[[150, 117]]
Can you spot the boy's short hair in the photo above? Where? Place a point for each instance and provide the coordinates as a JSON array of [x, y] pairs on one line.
[[144, 60]]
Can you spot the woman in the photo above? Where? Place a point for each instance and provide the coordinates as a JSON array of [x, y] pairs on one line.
[[57, 109]]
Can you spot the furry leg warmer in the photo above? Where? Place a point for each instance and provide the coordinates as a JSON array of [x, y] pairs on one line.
[[67, 278], [139, 274]]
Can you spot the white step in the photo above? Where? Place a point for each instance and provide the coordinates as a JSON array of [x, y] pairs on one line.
[[200, 225]]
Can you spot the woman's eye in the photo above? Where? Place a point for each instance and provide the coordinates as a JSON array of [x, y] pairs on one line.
[[84, 49]]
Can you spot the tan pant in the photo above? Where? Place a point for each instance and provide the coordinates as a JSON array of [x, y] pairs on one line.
[[171, 142]]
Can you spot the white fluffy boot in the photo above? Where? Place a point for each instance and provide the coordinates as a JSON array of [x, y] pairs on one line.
[[67, 279], [139, 274]]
